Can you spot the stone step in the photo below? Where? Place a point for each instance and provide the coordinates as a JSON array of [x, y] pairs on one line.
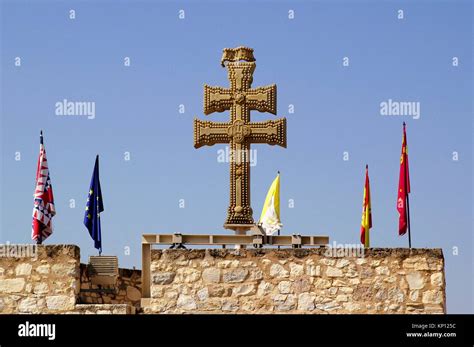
[[103, 309]]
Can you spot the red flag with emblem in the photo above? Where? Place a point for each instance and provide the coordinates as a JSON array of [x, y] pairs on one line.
[[43, 210], [403, 186]]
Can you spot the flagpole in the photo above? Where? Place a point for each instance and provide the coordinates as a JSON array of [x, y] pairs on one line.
[[367, 231], [408, 220], [39, 240], [278, 173], [100, 249], [406, 186], [278, 235]]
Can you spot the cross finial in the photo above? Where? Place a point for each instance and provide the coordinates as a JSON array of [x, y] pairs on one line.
[[237, 54]]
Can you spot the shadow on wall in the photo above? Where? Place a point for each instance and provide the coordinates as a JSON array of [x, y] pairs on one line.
[[126, 291]]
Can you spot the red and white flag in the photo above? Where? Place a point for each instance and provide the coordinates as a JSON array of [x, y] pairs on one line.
[[43, 210]]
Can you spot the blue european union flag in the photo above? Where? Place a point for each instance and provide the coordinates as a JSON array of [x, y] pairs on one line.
[[94, 207]]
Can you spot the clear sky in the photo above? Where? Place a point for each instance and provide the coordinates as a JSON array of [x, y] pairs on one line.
[[336, 110]]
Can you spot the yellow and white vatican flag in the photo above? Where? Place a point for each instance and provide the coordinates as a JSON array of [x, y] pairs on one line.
[[270, 218]]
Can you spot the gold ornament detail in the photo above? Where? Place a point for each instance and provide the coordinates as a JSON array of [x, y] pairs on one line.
[[236, 54], [238, 131], [240, 98]]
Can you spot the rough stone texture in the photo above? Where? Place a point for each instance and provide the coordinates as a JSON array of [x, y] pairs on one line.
[[297, 281], [103, 309], [211, 275], [47, 282], [54, 281], [128, 289], [60, 302], [231, 281]]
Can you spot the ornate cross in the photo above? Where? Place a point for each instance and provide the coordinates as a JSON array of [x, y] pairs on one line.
[[239, 132]]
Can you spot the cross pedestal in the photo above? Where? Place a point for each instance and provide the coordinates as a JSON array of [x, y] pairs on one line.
[[239, 229]]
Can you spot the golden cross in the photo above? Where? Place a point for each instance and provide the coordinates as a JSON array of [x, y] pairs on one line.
[[239, 132]]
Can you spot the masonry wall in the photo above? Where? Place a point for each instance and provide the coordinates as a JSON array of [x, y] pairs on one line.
[[127, 291], [51, 279], [296, 281], [48, 283], [232, 281]]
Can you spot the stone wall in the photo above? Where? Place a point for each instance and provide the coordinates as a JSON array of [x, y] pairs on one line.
[[51, 279], [231, 281], [127, 291], [296, 281], [45, 283]]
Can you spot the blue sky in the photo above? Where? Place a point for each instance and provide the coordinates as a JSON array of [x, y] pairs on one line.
[[336, 110]]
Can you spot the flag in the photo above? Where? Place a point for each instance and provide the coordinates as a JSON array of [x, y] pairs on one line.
[[366, 223], [43, 210], [270, 217], [94, 207], [403, 186]]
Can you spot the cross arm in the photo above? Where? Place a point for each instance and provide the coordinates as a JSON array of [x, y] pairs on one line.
[[262, 99], [216, 99], [272, 132], [208, 133]]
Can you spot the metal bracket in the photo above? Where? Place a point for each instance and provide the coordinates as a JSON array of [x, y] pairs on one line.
[[177, 246], [296, 241], [258, 241], [177, 240]]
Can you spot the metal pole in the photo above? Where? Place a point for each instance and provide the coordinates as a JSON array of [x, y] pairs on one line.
[[39, 240], [408, 220], [278, 229], [406, 187]]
